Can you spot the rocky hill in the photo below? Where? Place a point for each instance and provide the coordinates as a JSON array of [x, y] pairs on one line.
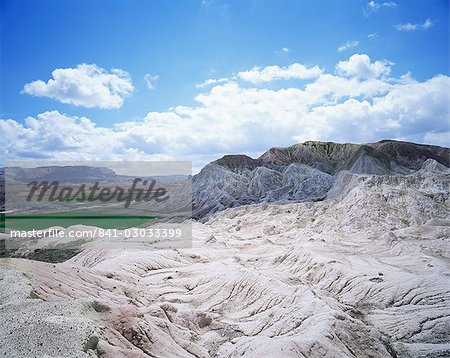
[[63, 174], [302, 172]]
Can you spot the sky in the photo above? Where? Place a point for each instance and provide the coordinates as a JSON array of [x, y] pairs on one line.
[[194, 80]]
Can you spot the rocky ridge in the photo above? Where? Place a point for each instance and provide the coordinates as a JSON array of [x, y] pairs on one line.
[[302, 172]]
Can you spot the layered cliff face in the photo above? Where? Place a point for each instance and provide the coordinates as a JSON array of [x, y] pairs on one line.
[[302, 172], [217, 188]]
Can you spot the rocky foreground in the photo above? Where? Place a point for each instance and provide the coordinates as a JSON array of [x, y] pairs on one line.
[[363, 273]]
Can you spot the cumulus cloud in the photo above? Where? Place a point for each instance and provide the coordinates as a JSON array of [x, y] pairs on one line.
[[285, 49], [86, 85], [359, 102], [150, 81], [347, 45], [413, 27], [273, 73], [372, 35], [361, 66]]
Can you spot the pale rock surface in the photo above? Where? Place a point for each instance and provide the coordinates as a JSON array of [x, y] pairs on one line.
[[32, 327], [363, 273]]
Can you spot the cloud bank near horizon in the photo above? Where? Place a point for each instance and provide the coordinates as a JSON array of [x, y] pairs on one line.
[[358, 101]]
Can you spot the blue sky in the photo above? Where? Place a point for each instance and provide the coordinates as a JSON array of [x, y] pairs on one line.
[[180, 44]]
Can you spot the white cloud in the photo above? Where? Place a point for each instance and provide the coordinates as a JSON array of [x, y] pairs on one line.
[[357, 103], [347, 45], [372, 35], [273, 73], [285, 49], [442, 138], [150, 81], [373, 6], [389, 4], [211, 81], [360, 66], [427, 24], [86, 85], [413, 27], [407, 27]]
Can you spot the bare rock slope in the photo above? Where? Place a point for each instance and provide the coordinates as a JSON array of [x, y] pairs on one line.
[[302, 172], [364, 273]]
